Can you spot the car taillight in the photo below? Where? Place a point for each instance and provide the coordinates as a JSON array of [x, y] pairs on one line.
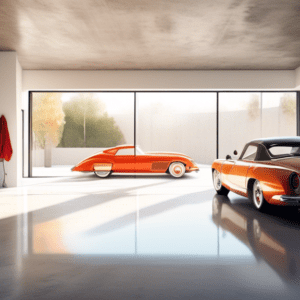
[[295, 182]]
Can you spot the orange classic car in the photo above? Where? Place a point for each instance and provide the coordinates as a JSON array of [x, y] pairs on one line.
[[267, 172], [130, 159]]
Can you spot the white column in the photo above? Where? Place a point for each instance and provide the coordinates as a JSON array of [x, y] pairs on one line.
[[297, 78], [10, 107]]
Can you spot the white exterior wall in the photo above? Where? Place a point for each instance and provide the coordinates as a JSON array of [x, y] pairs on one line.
[[64, 156], [10, 107]]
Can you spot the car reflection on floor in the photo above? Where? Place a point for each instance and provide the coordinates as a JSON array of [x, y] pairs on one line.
[[274, 238]]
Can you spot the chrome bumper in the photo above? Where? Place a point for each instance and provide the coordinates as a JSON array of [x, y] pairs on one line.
[[290, 200]]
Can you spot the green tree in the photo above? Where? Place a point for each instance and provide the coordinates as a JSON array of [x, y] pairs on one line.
[[288, 105], [88, 124], [47, 122], [253, 107]]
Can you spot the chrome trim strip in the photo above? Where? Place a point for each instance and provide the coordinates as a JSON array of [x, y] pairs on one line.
[[295, 200], [193, 169]]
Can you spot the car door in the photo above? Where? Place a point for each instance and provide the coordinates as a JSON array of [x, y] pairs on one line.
[[226, 169], [151, 163], [238, 173], [124, 161], [143, 163]]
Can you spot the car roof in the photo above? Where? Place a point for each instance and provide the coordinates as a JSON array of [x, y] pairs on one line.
[[266, 143], [278, 141], [115, 149], [124, 146]]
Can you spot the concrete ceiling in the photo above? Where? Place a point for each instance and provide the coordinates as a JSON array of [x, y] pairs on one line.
[[152, 34]]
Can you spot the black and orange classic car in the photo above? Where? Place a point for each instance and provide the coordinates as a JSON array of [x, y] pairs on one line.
[[267, 172]]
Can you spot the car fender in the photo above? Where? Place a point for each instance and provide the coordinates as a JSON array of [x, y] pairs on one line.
[[217, 165], [273, 180], [176, 160], [87, 165], [182, 160]]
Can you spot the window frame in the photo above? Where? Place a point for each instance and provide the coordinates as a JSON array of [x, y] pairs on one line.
[[245, 151], [131, 148], [135, 92]]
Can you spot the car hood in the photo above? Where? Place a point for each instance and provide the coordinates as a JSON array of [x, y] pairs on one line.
[[291, 163], [168, 154]]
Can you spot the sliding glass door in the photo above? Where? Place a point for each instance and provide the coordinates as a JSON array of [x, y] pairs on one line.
[[178, 122], [69, 126], [244, 116]]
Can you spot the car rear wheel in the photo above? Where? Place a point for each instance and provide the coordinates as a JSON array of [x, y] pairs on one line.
[[258, 197], [102, 174], [220, 189], [177, 169]]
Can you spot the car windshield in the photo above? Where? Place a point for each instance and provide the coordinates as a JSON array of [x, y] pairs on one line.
[[139, 151], [250, 153], [284, 151]]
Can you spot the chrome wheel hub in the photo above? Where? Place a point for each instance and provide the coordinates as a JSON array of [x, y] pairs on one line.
[[177, 169], [257, 194]]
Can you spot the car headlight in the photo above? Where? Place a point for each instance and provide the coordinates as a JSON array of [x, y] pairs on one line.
[[295, 182]]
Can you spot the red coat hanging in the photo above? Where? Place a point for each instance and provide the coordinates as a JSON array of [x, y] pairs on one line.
[[5, 144]]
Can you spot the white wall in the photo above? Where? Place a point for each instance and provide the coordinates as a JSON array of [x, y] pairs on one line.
[[297, 76], [157, 80], [19, 75], [10, 107]]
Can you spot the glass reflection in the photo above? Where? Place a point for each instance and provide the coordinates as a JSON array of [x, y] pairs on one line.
[[272, 238], [130, 225], [141, 224]]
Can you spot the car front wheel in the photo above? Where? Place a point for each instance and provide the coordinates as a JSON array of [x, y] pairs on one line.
[[258, 197], [177, 169], [102, 174], [220, 189]]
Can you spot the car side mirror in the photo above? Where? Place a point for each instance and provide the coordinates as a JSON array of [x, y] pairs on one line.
[[235, 152], [228, 157]]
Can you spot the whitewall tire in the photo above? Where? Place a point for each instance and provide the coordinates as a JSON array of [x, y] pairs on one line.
[[220, 189], [102, 174], [258, 199], [177, 169]]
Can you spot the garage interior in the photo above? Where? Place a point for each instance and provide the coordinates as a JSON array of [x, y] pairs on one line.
[[200, 77]]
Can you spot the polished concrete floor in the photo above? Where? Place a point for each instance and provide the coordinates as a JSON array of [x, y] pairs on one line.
[[143, 237]]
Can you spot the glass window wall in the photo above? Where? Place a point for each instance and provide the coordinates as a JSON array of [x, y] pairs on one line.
[[247, 116], [240, 120], [279, 114], [178, 122], [68, 127]]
